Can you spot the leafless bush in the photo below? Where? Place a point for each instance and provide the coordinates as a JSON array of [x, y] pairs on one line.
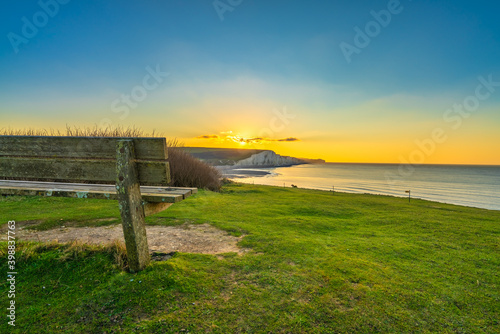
[[186, 169]]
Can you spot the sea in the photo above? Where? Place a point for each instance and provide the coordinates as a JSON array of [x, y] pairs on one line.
[[467, 185]]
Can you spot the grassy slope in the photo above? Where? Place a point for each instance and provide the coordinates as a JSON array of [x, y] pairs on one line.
[[318, 263]]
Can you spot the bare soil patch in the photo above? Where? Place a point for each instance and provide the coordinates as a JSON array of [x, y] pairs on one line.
[[186, 238]]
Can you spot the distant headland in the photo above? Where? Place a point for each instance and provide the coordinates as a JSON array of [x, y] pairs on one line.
[[245, 158]]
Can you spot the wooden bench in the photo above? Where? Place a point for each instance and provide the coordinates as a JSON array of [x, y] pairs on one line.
[[134, 171]]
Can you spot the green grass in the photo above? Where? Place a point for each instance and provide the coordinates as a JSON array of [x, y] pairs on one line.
[[318, 263]]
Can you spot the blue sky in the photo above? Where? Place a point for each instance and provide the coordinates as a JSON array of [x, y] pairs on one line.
[[228, 75]]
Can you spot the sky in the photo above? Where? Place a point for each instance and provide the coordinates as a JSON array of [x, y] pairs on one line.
[[346, 81]]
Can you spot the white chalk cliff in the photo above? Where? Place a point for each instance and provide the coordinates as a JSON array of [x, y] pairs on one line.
[[268, 159]]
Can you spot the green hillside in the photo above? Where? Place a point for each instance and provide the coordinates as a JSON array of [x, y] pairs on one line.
[[317, 262]]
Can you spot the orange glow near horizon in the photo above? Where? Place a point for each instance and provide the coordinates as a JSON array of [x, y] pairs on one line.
[[463, 151], [476, 142]]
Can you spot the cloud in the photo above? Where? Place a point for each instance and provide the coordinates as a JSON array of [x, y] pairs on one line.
[[228, 136], [289, 139], [208, 137], [263, 139]]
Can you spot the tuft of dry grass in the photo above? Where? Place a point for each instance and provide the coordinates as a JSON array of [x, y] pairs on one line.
[[73, 250], [77, 249], [75, 131], [119, 252], [186, 170]]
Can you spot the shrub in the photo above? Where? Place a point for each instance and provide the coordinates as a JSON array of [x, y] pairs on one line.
[[187, 170]]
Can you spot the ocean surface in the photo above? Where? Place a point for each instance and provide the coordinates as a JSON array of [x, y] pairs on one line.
[[475, 186]]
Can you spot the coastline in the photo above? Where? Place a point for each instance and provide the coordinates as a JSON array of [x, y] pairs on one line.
[[468, 186], [242, 172]]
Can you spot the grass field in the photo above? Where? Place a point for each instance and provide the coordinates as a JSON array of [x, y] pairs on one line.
[[317, 263]]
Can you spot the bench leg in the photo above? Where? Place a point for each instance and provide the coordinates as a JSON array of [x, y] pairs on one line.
[[131, 209], [152, 208]]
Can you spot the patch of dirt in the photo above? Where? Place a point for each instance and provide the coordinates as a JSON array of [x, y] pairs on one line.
[[186, 238]]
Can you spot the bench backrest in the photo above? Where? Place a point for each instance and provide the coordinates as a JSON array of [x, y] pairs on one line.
[[81, 159]]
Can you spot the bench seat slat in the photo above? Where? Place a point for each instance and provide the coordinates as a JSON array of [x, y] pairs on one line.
[[98, 191], [97, 187], [151, 172], [79, 147]]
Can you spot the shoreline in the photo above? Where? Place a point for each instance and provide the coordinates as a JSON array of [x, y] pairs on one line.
[[275, 176], [365, 193], [242, 172]]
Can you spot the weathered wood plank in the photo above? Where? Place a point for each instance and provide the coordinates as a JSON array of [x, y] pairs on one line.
[[57, 193], [147, 198], [185, 192], [82, 190], [79, 147], [151, 172], [131, 209]]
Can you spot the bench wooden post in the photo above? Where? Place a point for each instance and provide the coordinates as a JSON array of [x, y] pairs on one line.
[[131, 208]]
